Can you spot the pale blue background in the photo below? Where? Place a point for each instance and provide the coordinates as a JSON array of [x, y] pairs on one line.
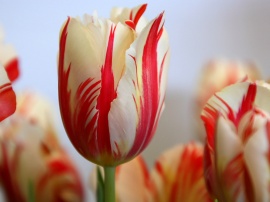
[[198, 30]]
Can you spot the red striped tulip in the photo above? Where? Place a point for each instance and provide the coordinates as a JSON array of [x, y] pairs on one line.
[[30, 155], [216, 75], [112, 79], [237, 150], [177, 176], [7, 96], [9, 58]]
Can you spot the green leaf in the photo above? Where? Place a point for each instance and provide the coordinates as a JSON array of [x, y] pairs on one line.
[[100, 186]]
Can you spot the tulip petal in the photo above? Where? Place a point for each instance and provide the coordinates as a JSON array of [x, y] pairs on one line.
[[141, 90], [228, 159], [131, 17], [256, 154], [7, 96], [9, 59]]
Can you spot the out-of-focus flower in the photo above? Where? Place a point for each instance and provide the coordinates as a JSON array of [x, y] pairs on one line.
[[28, 159], [9, 58], [112, 79], [37, 109], [216, 75], [177, 176], [237, 149], [7, 95]]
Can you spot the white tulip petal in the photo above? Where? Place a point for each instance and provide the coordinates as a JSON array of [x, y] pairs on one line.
[[256, 158], [228, 144]]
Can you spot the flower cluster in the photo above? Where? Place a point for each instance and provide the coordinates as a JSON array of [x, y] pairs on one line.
[[112, 76]]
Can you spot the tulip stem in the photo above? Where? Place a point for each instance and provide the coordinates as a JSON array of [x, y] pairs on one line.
[[109, 193]]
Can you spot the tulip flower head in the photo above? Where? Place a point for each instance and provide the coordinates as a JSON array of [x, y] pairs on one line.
[[112, 79], [178, 175], [237, 149], [31, 156], [216, 75]]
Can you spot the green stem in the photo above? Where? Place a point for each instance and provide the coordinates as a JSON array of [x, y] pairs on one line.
[[109, 183]]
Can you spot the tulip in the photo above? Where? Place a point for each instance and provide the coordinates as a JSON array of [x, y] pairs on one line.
[[111, 86], [7, 96], [176, 176], [216, 75], [9, 58], [237, 123], [33, 165]]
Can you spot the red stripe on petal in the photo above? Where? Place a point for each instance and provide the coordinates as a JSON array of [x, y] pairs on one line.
[[210, 120], [63, 92], [7, 101], [145, 172], [162, 66], [85, 129], [231, 181], [247, 102], [230, 113], [139, 14], [12, 68], [107, 95], [188, 183], [208, 169]]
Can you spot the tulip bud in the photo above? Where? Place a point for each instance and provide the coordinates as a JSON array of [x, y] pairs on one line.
[[111, 83]]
